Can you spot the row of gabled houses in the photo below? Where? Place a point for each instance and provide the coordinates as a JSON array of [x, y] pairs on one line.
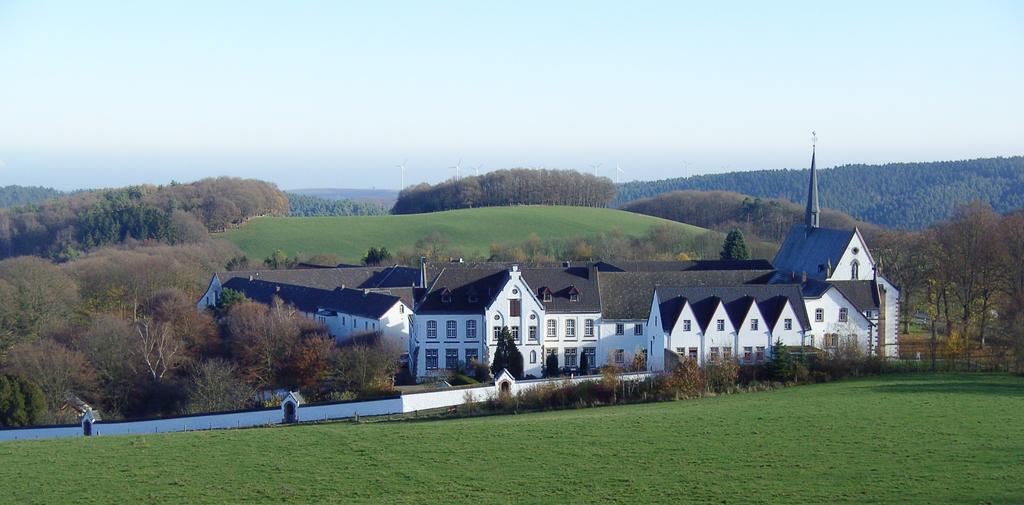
[[822, 290]]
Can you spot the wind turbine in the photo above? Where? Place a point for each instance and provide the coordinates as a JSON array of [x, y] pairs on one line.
[[458, 169], [595, 166], [618, 171], [476, 170], [402, 168]]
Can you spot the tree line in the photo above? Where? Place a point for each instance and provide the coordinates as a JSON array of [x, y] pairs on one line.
[[895, 195], [63, 228], [966, 276], [517, 186], [766, 219], [311, 206], [13, 195]]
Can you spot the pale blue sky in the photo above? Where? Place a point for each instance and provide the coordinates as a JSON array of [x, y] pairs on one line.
[[334, 94]]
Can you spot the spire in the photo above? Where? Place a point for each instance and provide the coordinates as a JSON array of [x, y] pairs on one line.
[[811, 215]]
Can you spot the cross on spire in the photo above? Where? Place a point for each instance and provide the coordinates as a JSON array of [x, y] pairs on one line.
[[811, 216]]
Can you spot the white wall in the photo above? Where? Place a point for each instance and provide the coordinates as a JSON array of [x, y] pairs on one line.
[[842, 267], [831, 302], [679, 338], [747, 337]]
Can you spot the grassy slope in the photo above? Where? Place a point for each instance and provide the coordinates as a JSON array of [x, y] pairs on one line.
[[469, 230], [915, 439]]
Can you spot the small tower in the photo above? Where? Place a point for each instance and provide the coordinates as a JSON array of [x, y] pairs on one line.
[[811, 220]]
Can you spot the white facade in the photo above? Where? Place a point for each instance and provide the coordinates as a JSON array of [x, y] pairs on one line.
[[393, 325], [832, 316], [855, 264]]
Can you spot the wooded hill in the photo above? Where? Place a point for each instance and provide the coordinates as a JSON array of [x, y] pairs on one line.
[[900, 195], [12, 196], [518, 186], [178, 213], [767, 219]]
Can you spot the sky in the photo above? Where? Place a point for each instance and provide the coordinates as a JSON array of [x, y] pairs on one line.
[[336, 94]]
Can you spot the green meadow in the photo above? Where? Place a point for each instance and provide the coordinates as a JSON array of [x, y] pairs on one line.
[[471, 231], [897, 439]]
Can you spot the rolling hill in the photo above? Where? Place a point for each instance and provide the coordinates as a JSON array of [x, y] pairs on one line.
[[898, 195], [470, 230]]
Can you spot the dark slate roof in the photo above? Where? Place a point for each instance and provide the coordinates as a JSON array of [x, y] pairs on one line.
[[670, 266], [628, 295], [862, 294], [809, 250], [561, 281], [482, 282], [737, 309], [304, 298], [407, 295], [358, 302], [704, 300], [330, 278]]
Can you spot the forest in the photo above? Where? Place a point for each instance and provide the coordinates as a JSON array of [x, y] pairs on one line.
[[895, 195], [13, 196], [767, 219], [312, 206], [63, 228], [518, 186]]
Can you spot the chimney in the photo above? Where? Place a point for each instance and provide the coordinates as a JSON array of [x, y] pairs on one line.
[[803, 278], [423, 271], [566, 264], [250, 278]]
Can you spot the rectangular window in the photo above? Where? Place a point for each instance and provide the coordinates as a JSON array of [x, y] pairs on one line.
[[451, 329], [515, 333], [591, 355], [748, 353], [570, 328], [759, 353], [515, 308], [727, 353], [431, 359], [620, 357], [713, 355], [588, 328], [754, 324], [570, 356], [451, 359], [787, 324], [497, 332], [693, 352], [638, 329], [471, 356], [819, 315], [470, 330], [552, 328], [720, 325], [686, 325], [431, 329], [533, 333], [620, 329]]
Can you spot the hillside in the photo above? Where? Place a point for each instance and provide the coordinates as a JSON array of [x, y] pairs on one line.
[[762, 218], [901, 195], [910, 439], [383, 197], [472, 231]]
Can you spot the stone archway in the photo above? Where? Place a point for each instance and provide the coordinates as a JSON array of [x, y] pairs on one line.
[[289, 413]]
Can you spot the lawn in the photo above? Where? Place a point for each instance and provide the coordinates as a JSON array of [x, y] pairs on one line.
[[470, 230], [909, 439]]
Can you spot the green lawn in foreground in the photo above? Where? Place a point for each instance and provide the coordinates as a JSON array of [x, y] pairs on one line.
[[468, 230], [910, 439]]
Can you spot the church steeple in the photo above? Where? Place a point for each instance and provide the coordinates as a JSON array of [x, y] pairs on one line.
[[811, 215]]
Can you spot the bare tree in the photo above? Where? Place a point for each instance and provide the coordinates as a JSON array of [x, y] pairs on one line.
[[158, 347]]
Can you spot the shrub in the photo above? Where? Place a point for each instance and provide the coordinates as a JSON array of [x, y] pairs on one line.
[[721, 376], [685, 380]]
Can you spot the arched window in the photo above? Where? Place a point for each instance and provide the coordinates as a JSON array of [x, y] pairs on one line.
[[533, 357], [855, 270], [843, 315]]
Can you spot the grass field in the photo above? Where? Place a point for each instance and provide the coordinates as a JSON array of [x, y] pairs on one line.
[[470, 230], [909, 439]]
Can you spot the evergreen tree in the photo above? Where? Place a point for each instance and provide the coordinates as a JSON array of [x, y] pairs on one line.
[[780, 368], [21, 402], [507, 355], [735, 248], [584, 365], [551, 365], [375, 256]]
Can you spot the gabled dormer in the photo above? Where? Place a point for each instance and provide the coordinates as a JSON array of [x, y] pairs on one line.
[[544, 294]]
